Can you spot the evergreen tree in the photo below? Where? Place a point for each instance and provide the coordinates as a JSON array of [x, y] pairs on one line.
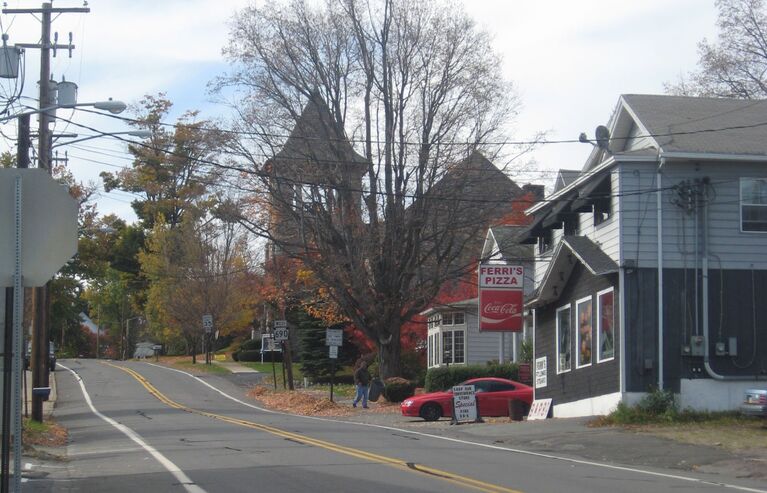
[[315, 361]]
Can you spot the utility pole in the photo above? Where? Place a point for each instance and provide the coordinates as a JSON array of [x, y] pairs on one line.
[[41, 296]]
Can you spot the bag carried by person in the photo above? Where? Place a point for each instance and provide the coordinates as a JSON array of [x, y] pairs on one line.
[[376, 389]]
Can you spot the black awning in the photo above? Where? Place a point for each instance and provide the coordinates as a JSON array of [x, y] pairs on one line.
[[529, 236], [557, 216]]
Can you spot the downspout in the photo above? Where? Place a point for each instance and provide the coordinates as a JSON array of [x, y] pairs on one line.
[[659, 197], [706, 353]]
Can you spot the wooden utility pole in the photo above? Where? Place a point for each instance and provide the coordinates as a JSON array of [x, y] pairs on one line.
[[41, 296]]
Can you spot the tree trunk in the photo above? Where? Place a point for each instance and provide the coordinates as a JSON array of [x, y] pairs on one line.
[[389, 359]]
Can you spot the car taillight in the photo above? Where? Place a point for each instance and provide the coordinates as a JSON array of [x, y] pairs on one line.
[[763, 399]]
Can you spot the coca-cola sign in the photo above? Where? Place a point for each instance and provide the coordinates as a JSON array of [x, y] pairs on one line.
[[501, 297]]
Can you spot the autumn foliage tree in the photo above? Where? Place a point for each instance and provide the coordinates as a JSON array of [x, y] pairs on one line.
[[197, 268]]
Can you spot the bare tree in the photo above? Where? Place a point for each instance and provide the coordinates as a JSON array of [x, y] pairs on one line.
[[736, 64], [383, 218]]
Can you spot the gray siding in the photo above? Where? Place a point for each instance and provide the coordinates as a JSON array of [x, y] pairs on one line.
[[482, 347], [606, 234], [729, 247]]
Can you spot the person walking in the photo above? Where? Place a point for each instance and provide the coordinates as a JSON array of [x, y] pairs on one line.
[[361, 380]]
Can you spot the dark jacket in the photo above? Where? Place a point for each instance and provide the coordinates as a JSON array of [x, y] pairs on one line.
[[362, 376]]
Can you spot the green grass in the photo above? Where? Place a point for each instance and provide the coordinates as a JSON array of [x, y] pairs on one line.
[[32, 426], [659, 407], [201, 366]]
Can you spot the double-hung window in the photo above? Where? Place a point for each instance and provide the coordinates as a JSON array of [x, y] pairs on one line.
[[753, 204]]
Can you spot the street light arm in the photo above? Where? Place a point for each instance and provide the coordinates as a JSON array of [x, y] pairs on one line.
[[111, 106], [132, 133]]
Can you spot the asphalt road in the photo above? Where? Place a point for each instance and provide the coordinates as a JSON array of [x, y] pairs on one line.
[[150, 428]]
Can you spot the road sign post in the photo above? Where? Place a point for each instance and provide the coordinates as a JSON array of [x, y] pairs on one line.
[[333, 354], [207, 325], [49, 238]]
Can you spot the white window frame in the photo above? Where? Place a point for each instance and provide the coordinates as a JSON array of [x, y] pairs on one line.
[[599, 326], [570, 339], [741, 203], [452, 346], [578, 303]]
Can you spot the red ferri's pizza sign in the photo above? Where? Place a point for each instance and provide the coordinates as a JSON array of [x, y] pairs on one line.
[[501, 291]]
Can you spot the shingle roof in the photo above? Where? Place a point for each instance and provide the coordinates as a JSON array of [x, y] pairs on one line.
[[508, 238], [591, 255], [565, 177], [318, 139], [703, 125]]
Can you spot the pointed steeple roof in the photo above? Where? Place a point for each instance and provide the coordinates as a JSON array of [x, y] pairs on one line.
[[317, 139]]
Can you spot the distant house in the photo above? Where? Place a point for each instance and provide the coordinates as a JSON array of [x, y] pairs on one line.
[[652, 264]]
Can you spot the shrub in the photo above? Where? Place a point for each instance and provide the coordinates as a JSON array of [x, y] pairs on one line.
[[236, 356], [398, 389], [256, 356], [445, 377], [251, 345]]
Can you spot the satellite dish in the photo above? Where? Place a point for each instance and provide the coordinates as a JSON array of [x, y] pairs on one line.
[[603, 137]]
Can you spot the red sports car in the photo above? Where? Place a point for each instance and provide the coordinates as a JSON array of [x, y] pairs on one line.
[[493, 396]]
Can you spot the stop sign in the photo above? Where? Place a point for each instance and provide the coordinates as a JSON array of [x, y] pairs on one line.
[[49, 226]]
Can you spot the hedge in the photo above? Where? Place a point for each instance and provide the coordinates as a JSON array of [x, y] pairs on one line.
[[444, 377], [398, 389], [249, 355]]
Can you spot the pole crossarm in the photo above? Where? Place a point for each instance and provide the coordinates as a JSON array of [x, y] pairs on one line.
[[53, 46], [52, 10]]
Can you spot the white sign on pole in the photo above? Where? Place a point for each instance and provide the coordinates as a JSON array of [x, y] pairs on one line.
[[207, 323], [334, 337], [539, 409], [280, 324], [540, 372], [280, 334], [49, 234], [269, 344], [464, 403], [333, 352]]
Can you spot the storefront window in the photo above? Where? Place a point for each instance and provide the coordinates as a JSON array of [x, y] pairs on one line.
[[584, 318], [564, 347], [605, 329]]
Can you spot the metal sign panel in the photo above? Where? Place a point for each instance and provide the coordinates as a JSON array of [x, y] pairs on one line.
[[333, 352], [207, 323], [334, 337], [501, 297], [464, 403], [280, 334], [269, 344], [280, 324], [49, 232]]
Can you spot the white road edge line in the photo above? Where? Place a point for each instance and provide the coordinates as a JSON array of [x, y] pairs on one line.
[[478, 444], [172, 468]]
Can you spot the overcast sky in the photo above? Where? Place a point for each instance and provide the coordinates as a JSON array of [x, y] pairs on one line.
[[570, 62]]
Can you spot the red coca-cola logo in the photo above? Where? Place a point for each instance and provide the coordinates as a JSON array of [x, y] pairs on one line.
[[499, 308]]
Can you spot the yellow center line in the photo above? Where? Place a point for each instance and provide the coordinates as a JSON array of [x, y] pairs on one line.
[[353, 452]]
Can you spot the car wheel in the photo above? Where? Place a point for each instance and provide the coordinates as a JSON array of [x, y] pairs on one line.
[[431, 412]]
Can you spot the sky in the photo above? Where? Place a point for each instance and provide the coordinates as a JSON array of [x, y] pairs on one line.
[[569, 61]]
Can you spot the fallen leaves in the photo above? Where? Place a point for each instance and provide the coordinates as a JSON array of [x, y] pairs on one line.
[[307, 403]]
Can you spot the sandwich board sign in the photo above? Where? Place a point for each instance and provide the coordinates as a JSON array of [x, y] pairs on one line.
[[465, 405]]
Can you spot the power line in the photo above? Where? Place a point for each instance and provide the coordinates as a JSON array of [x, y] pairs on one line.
[[453, 143]]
